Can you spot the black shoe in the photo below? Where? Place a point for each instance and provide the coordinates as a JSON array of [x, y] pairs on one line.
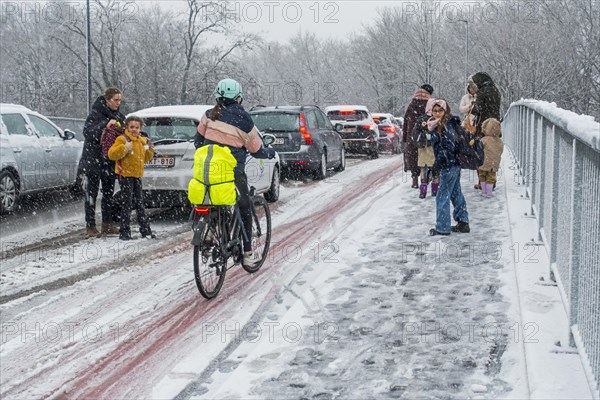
[[433, 232], [148, 236], [125, 236], [461, 227]]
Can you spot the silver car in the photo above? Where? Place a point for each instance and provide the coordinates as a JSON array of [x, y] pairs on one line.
[[172, 129], [35, 155]]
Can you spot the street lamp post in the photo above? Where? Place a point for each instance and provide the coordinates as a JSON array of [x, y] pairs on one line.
[[466, 48], [89, 58]]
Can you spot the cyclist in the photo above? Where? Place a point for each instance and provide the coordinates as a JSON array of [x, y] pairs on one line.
[[229, 124]]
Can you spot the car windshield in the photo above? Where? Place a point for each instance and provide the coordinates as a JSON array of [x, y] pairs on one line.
[[276, 122], [165, 128], [347, 115]]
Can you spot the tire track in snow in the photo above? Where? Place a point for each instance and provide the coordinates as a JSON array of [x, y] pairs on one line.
[[129, 366]]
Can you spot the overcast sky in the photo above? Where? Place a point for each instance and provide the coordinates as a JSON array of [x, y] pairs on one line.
[[280, 20]]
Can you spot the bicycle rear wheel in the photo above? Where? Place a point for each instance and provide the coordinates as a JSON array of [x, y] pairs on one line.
[[210, 265], [261, 233]]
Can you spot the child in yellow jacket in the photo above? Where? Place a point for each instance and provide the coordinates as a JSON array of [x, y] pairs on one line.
[[131, 151]]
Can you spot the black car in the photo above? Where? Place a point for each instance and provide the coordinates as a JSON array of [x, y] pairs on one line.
[[357, 128], [305, 138], [389, 133]]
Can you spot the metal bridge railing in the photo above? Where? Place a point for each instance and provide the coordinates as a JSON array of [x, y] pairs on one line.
[[558, 156]]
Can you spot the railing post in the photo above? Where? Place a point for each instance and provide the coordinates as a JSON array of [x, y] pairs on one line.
[[575, 245], [554, 200]]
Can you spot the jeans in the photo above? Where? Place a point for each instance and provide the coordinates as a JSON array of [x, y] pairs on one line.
[[133, 198], [450, 191], [106, 176]]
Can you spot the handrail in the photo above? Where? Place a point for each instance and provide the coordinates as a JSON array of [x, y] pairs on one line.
[[558, 159]]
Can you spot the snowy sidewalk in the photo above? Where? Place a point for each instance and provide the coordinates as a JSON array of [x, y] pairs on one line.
[[389, 312]]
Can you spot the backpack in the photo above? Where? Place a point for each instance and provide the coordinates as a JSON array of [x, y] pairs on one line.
[[469, 149], [108, 137], [213, 182], [419, 131]]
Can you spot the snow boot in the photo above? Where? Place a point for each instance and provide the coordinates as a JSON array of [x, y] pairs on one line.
[[433, 232], [423, 191], [92, 232], [434, 189], [489, 188], [461, 227], [415, 182], [110, 229]]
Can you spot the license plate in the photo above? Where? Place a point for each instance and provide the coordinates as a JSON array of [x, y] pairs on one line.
[[279, 141], [163, 162], [349, 130]]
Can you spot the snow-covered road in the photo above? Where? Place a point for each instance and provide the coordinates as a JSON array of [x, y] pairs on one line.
[[356, 301]]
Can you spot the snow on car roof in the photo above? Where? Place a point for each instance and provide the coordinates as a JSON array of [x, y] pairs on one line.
[[183, 111], [350, 107], [8, 107], [376, 114]]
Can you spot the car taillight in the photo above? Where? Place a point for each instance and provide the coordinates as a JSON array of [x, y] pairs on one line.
[[388, 129], [201, 210], [304, 132], [370, 126]]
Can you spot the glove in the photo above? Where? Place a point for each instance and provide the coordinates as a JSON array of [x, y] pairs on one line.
[[129, 146], [270, 153]]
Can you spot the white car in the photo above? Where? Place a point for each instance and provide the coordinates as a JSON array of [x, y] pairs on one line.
[[35, 155], [173, 129]]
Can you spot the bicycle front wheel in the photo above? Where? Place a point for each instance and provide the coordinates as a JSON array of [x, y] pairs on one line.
[[210, 265], [261, 233]]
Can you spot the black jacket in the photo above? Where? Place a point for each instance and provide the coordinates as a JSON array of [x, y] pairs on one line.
[[91, 157], [444, 146], [487, 102]]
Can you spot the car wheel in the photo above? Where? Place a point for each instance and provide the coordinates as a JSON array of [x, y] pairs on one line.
[[342, 165], [9, 192], [321, 172], [273, 194], [374, 155]]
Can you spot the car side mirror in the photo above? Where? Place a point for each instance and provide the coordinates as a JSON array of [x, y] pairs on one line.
[[338, 128], [68, 134], [268, 139]]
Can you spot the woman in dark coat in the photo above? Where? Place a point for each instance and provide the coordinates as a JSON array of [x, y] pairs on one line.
[[487, 100], [415, 109], [97, 168], [487, 103]]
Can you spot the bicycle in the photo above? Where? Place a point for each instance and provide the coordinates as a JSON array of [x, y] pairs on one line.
[[218, 238]]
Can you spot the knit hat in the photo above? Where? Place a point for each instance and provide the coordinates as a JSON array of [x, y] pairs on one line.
[[441, 103], [428, 88]]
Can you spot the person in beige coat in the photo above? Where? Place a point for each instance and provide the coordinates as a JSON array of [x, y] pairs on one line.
[[492, 148]]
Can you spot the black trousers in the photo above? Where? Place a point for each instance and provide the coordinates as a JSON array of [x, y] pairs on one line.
[[133, 198], [105, 176], [244, 204]]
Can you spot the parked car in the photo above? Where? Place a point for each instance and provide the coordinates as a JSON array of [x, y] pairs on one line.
[[173, 129], [305, 138], [35, 155], [357, 128], [389, 133]]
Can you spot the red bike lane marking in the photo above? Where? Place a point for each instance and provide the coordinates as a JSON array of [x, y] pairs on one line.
[[126, 362]]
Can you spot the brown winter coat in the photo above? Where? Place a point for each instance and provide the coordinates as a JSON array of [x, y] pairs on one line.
[[130, 164], [492, 145], [415, 109]]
